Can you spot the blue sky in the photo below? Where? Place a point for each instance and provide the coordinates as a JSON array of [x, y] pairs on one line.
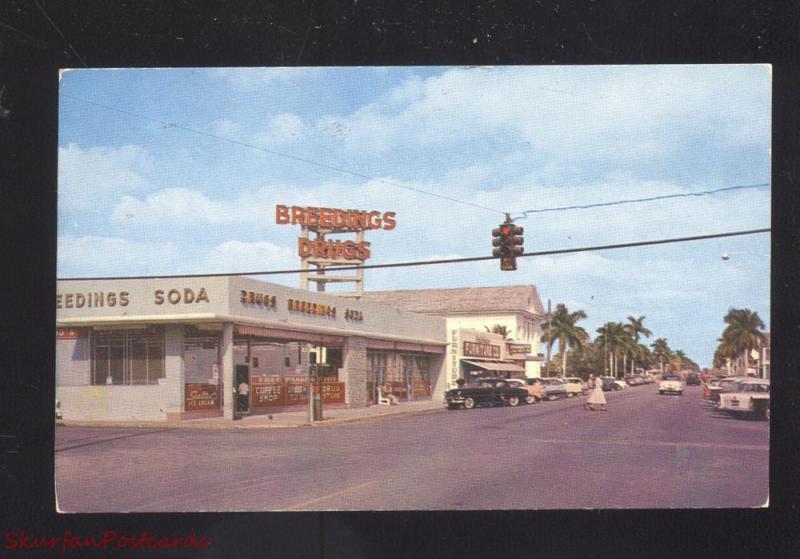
[[140, 197]]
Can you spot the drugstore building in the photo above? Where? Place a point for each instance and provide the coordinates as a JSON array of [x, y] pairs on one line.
[[166, 349]]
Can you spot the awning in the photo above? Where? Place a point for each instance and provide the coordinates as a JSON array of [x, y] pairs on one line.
[[496, 366]]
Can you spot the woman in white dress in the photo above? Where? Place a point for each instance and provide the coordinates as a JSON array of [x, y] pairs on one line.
[[596, 398]]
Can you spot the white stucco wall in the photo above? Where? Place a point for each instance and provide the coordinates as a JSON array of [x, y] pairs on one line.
[[110, 403], [514, 323]]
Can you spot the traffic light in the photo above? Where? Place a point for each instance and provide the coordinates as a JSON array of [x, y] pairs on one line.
[[507, 242]]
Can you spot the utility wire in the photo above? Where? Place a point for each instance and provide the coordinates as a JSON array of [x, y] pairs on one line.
[[406, 187], [649, 199], [281, 154], [445, 261]]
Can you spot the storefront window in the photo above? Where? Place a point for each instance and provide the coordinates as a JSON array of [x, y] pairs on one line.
[[201, 358], [128, 356]]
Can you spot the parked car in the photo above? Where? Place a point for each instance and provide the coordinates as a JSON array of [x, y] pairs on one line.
[[485, 392], [751, 399], [708, 383], [621, 384], [634, 380], [554, 389], [725, 385], [535, 390], [609, 384], [575, 386], [692, 379], [670, 382]]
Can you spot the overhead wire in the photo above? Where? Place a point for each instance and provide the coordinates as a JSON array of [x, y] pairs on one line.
[[446, 260], [284, 155], [648, 199], [407, 187]]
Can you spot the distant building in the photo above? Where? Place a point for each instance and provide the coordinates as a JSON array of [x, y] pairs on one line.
[[484, 310], [764, 357]]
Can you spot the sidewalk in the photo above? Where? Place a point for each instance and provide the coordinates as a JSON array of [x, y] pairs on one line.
[[284, 419]]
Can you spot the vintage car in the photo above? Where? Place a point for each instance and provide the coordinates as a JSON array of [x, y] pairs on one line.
[[554, 389], [727, 384], [750, 399], [535, 390], [609, 384], [621, 384], [708, 383], [693, 379], [670, 382], [575, 386], [634, 380], [485, 392]]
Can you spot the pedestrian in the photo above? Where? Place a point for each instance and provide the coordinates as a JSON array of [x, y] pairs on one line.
[[596, 398], [243, 391]]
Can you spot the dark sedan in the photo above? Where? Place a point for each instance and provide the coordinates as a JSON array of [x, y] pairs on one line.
[[693, 379], [485, 392]]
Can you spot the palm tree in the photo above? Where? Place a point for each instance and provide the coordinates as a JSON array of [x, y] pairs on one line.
[[724, 354], [661, 352], [628, 347], [501, 329], [613, 337], [563, 327], [743, 332], [637, 327], [679, 360]]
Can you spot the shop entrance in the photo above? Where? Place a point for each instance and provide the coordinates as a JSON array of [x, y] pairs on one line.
[[279, 369], [242, 383]]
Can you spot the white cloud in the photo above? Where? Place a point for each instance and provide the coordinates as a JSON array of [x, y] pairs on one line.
[[172, 207], [225, 127], [624, 113], [252, 79], [238, 256], [102, 256], [88, 177], [281, 129]]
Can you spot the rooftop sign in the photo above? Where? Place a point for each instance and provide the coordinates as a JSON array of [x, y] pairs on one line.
[[339, 221]]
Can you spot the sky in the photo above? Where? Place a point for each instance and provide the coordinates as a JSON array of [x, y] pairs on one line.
[[178, 171]]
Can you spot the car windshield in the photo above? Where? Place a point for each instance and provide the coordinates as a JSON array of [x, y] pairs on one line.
[[670, 377]]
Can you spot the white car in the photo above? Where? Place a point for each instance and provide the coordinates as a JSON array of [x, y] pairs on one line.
[[751, 399], [621, 384], [571, 381], [670, 383], [573, 386]]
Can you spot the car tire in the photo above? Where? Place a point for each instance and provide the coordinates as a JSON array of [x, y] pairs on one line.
[[513, 401], [570, 395], [530, 400], [661, 392], [469, 403]]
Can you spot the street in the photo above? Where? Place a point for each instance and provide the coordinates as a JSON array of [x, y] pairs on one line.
[[646, 451]]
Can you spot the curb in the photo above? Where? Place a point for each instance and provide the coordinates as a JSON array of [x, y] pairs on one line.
[[236, 426]]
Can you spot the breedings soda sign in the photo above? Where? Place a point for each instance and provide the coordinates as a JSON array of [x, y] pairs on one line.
[[339, 221]]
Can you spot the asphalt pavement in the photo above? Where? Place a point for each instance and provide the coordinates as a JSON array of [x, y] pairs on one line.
[[646, 451]]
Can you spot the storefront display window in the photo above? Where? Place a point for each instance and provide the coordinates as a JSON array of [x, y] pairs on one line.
[[128, 356]]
